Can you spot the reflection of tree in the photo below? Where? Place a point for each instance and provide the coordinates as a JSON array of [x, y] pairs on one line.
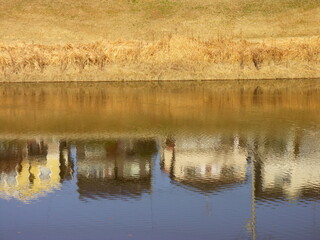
[[297, 142], [66, 162], [11, 155], [37, 148]]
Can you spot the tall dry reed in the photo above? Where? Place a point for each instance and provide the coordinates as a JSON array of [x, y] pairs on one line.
[[172, 51]]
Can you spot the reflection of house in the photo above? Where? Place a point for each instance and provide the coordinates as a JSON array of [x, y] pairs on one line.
[[295, 173], [29, 169], [114, 168], [204, 165]]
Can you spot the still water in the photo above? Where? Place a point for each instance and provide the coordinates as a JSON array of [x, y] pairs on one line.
[[223, 160]]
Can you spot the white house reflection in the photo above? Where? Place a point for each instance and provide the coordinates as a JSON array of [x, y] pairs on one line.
[[288, 168], [205, 165]]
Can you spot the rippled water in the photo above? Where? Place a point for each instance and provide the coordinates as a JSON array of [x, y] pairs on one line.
[[224, 160]]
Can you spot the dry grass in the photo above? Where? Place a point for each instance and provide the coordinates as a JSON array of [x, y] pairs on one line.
[[163, 58], [68, 40], [64, 21]]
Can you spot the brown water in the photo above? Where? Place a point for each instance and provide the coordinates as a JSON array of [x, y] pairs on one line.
[[223, 160]]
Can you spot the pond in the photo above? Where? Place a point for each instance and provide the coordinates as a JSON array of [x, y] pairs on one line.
[[192, 160]]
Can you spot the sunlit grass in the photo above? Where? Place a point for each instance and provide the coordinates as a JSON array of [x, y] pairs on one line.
[[44, 21], [159, 39], [174, 52]]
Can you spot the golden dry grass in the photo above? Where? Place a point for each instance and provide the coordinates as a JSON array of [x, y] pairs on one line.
[[163, 58], [67, 21], [66, 40]]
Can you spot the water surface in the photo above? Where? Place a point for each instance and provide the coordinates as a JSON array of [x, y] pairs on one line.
[[224, 160]]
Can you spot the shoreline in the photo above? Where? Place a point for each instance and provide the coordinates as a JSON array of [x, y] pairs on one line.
[[228, 80]]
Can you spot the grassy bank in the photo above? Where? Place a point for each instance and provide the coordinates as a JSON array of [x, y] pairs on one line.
[[42, 40], [169, 58], [67, 21]]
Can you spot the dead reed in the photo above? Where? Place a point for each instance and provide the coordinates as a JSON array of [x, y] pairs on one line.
[[174, 52]]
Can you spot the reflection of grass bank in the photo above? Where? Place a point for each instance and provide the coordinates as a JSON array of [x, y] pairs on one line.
[[150, 108], [171, 57]]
